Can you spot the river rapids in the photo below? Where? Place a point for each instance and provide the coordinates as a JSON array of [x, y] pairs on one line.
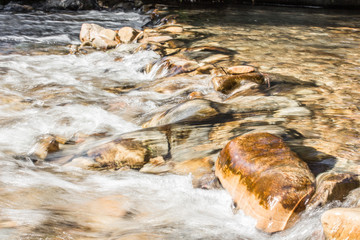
[[46, 90]]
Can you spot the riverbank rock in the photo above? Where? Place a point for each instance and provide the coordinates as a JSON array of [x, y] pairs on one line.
[[341, 223], [265, 179]]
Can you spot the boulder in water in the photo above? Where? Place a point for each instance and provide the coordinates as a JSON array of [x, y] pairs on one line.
[[341, 223], [265, 179]]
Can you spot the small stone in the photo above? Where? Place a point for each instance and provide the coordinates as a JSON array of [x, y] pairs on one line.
[[171, 29], [194, 95], [46, 144], [240, 69], [127, 34], [341, 223]]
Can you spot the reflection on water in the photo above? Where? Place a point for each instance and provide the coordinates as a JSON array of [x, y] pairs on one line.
[[45, 91]]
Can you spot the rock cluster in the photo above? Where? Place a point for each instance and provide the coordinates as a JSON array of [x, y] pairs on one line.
[[227, 136]]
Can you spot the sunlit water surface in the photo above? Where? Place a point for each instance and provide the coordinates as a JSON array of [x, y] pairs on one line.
[[44, 90]]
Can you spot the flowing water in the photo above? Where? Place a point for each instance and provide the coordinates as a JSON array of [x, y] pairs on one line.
[[45, 90]]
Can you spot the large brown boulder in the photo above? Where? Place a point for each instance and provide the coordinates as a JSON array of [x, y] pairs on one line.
[[265, 179], [341, 223]]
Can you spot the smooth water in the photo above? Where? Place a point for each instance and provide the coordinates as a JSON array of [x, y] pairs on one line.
[[45, 90]]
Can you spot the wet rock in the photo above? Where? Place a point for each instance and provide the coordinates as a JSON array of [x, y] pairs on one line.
[[178, 65], [127, 34], [97, 36], [228, 83], [119, 154], [174, 43], [332, 186], [46, 144], [341, 223], [240, 69], [156, 39], [16, 7], [293, 111], [200, 170], [194, 95], [103, 43], [259, 103], [196, 109], [205, 69], [265, 179], [171, 29], [157, 165], [215, 59], [89, 31]]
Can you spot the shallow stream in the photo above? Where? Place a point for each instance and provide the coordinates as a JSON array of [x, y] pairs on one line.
[[45, 90]]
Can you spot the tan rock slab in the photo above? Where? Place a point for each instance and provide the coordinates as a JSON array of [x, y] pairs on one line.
[[341, 223]]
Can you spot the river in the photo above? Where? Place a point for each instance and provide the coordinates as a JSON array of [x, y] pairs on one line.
[[45, 90]]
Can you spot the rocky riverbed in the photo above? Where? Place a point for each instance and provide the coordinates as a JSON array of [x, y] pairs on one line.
[[182, 109]]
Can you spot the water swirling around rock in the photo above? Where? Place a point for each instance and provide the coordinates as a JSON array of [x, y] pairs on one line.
[[311, 101]]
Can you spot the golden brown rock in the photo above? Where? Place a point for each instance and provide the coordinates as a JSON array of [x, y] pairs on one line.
[[240, 69], [341, 223], [171, 29], [119, 154], [180, 65], [46, 144], [331, 186], [265, 179], [228, 83], [127, 34], [195, 95]]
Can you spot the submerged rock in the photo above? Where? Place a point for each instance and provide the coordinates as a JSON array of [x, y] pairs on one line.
[[119, 154], [265, 179], [341, 223], [196, 109], [228, 83], [332, 186], [46, 144]]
